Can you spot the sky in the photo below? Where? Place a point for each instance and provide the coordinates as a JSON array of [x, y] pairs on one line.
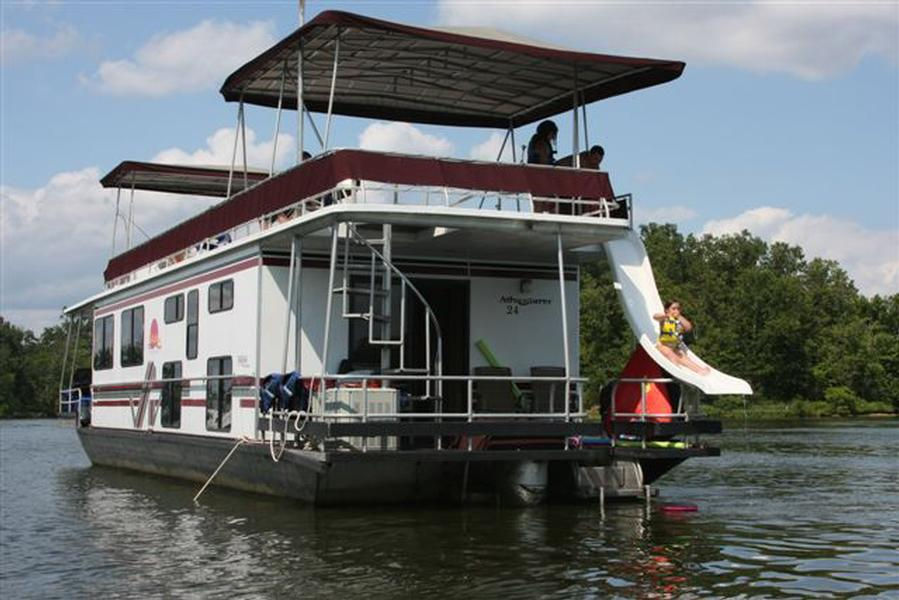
[[785, 121]]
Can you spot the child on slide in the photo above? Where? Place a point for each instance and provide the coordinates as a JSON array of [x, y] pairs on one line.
[[672, 326]]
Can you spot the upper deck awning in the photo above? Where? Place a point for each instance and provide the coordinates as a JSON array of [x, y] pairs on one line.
[[178, 179], [326, 171], [465, 77]]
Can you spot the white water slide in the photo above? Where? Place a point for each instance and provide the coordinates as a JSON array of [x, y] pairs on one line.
[[640, 298]]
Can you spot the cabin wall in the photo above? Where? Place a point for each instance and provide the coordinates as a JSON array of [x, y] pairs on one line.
[[313, 307], [118, 392], [523, 329]]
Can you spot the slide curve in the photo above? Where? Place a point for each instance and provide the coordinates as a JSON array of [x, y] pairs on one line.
[[640, 299]]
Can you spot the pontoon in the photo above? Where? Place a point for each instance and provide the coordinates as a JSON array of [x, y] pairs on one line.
[[370, 327]]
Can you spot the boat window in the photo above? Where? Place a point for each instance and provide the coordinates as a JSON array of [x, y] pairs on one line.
[[221, 296], [171, 395], [193, 322], [218, 394], [104, 338], [132, 337], [174, 308]]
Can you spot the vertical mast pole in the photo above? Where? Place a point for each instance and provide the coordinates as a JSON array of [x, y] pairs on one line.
[[575, 149], [75, 349], [130, 231], [243, 137], [271, 170], [564, 319], [331, 95], [512, 136], [115, 221], [289, 304], [584, 115], [332, 267], [234, 150], [65, 356], [301, 108]]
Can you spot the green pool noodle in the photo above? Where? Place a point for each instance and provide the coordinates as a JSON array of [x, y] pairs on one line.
[[488, 355]]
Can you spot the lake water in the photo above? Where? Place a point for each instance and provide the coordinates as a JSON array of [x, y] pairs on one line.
[[795, 510]]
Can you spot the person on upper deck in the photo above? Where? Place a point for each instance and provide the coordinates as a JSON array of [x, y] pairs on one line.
[[541, 148], [672, 326], [589, 159]]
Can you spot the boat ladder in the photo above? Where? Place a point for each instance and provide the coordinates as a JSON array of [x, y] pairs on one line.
[[367, 292]]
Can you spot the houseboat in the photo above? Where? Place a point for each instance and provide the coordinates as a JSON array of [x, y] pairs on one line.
[[374, 327]]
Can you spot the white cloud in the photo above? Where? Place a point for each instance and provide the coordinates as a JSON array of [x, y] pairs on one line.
[[184, 61], [663, 214], [810, 40], [403, 137], [19, 46], [55, 240], [220, 146], [489, 149], [871, 257]]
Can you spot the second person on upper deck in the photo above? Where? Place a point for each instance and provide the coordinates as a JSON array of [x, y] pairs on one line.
[[541, 148]]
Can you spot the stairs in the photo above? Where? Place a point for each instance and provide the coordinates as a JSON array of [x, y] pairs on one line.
[[371, 300]]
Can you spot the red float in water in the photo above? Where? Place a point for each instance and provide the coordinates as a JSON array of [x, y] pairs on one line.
[[680, 508]]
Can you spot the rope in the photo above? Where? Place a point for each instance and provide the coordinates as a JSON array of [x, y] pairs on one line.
[[241, 441]]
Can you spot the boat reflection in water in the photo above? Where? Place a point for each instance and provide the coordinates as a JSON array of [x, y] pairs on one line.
[[245, 543]]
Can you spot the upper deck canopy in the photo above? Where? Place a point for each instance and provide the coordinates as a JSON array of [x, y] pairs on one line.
[[326, 171], [478, 78], [178, 179]]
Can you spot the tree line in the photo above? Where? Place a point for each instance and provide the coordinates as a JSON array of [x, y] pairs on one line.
[[798, 330]]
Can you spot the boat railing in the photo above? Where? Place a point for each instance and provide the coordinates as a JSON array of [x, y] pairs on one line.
[[69, 401], [616, 211], [643, 415], [572, 395]]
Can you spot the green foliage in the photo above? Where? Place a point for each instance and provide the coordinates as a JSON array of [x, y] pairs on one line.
[[796, 329], [30, 368]]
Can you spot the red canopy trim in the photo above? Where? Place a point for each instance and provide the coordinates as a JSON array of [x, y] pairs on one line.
[[399, 72], [325, 172]]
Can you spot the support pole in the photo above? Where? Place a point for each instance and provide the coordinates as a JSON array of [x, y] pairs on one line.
[[584, 115], [298, 307], [65, 355], [331, 95], [330, 291], [130, 231], [288, 307], [512, 135], [575, 145], [564, 325], [243, 138], [75, 349], [386, 287], [503, 146], [234, 150], [271, 170], [301, 107], [115, 221]]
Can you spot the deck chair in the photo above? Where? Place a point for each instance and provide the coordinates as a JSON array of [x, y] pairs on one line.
[[549, 396], [494, 396]]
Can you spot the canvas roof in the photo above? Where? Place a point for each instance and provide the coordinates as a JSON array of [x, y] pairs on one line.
[[179, 179], [464, 77]]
